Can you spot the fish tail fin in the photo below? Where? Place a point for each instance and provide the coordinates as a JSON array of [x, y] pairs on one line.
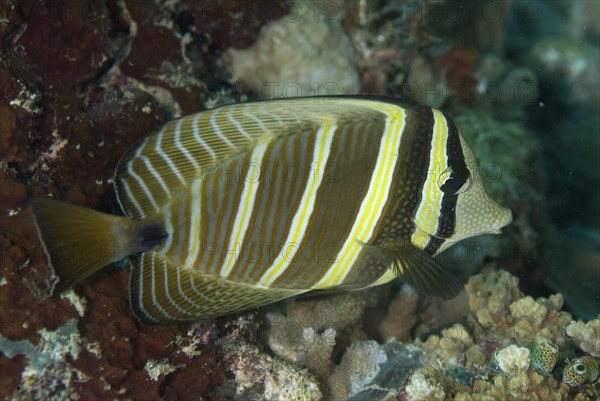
[[79, 241]]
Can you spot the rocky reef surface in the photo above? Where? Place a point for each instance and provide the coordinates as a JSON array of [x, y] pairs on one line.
[[82, 81]]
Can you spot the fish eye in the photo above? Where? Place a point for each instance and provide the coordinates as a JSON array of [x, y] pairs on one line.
[[452, 183], [580, 368]]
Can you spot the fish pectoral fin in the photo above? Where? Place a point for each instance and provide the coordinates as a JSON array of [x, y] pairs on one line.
[[418, 268], [160, 292]]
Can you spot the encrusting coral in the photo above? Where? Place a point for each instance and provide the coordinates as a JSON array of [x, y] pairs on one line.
[[300, 67], [513, 360], [359, 366], [49, 375], [260, 376]]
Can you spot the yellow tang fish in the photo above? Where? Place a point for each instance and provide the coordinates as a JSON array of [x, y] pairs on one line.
[[252, 203]]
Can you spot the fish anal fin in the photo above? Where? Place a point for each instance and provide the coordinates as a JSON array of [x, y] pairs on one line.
[[421, 270], [161, 292], [323, 293]]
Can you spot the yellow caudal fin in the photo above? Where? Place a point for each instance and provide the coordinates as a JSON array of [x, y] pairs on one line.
[[79, 241], [161, 292]]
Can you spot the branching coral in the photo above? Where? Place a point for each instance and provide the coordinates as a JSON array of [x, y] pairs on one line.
[[307, 334], [451, 344], [298, 335], [500, 314], [501, 318], [586, 336], [400, 319], [460, 362], [410, 315]]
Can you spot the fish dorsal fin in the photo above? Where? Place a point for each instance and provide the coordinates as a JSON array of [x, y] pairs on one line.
[[421, 270], [161, 292], [193, 146]]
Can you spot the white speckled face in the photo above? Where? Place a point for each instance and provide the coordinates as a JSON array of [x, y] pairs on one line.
[[453, 204], [476, 212]]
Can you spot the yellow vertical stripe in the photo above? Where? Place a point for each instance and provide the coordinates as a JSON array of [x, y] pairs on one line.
[[251, 183], [374, 201], [323, 139], [429, 209]]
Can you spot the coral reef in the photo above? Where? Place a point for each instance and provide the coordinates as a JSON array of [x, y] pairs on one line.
[[306, 334], [82, 81], [261, 377], [421, 389], [410, 316], [492, 354], [502, 325], [370, 371], [575, 64], [586, 335], [48, 374], [298, 68]]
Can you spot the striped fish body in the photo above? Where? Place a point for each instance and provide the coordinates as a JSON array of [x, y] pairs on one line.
[[251, 203]]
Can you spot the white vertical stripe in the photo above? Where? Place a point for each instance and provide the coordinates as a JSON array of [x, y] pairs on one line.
[[198, 137], [215, 125], [196, 207], [374, 201], [167, 219], [180, 289], [236, 123], [156, 175], [322, 149], [158, 149], [180, 146], [168, 294], [245, 207], [132, 199], [130, 173], [250, 115], [180, 224], [155, 302], [140, 300]]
